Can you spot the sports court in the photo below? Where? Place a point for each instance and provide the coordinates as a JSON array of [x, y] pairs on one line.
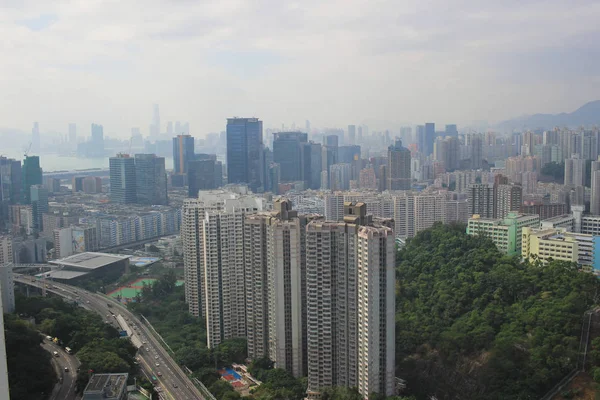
[[129, 291]]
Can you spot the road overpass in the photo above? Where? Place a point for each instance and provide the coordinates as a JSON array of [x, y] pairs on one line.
[[154, 360]]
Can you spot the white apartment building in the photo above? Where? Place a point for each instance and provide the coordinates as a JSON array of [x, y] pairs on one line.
[[213, 242], [6, 250], [350, 282]]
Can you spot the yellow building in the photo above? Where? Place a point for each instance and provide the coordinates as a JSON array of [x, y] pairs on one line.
[[557, 244]]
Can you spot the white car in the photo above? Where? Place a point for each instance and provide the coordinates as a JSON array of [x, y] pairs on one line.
[[157, 364]]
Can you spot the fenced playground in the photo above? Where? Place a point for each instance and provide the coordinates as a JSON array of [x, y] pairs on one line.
[[128, 292]]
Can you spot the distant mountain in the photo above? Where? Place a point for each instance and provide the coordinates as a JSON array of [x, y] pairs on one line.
[[586, 115]]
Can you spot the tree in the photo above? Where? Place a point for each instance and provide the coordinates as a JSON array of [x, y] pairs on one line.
[[153, 249], [220, 388]]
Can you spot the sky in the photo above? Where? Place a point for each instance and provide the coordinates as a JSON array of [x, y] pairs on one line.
[[379, 62]]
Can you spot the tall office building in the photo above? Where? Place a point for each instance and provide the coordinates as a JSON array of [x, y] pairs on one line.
[[595, 183], [316, 165], [31, 175], [429, 137], [245, 158], [97, 142], [39, 205], [10, 180], [151, 179], [398, 168], [351, 134], [183, 151], [451, 130], [350, 303], [122, 179], [204, 173], [155, 126], [287, 152], [213, 240]]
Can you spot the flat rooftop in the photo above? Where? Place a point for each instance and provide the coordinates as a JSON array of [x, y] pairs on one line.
[[62, 274], [109, 384], [89, 260]]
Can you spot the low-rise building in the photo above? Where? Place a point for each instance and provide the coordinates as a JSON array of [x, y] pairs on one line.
[[506, 232], [558, 244], [106, 387]]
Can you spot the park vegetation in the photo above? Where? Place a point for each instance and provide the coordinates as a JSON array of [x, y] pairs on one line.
[[96, 344], [30, 373], [472, 323]]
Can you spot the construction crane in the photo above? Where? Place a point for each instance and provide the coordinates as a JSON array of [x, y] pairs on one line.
[[27, 150]]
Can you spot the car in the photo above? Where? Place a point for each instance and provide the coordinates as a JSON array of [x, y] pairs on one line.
[[88, 302], [159, 373], [49, 338], [175, 385], [66, 369], [156, 357], [157, 364]]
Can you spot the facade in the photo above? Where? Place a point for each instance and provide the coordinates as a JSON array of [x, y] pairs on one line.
[[213, 246], [566, 221], [10, 181], [574, 171], [122, 179], [481, 200], [204, 174], [6, 250], [183, 151], [398, 167], [150, 179], [39, 205], [595, 184], [334, 207], [350, 303], [507, 198], [287, 153], [558, 244], [429, 209], [92, 184], [339, 177], [7, 288], [32, 175], [245, 158], [506, 233]]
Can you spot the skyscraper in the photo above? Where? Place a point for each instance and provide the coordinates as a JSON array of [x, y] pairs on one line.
[[122, 179], [73, 134], [183, 151], [213, 238], [151, 179], [278, 264], [287, 153], [4, 389], [245, 158], [350, 303], [481, 200], [204, 173], [155, 126], [398, 168], [429, 137], [96, 145], [351, 134], [339, 176], [451, 130], [31, 175], [39, 205], [574, 171], [10, 180]]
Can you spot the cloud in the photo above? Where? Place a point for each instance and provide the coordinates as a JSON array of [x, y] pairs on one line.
[[333, 62]]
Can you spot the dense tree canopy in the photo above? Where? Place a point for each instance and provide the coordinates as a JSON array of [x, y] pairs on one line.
[[473, 323], [555, 170], [30, 373]]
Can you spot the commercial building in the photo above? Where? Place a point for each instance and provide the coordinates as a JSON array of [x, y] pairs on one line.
[[398, 167], [558, 244], [350, 303], [32, 175], [339, 177], [204, 173], [106, 387], [183, 151], [10, 180], [506, 232], [287, 152], [39, 205], [122, 179], [150, 180], [245, 158], [75, 239], [84, 265]]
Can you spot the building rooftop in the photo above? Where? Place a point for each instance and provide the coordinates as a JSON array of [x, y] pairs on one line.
[[89, 260], [109, 385], [61, 274]]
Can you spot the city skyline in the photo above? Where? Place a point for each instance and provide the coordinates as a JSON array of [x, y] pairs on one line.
[[236, 55]]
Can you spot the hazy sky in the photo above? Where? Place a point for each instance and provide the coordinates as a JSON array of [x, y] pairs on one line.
[[333, 62]]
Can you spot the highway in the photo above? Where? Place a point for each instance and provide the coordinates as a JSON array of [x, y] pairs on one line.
[[173, 383], [65, 390]]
